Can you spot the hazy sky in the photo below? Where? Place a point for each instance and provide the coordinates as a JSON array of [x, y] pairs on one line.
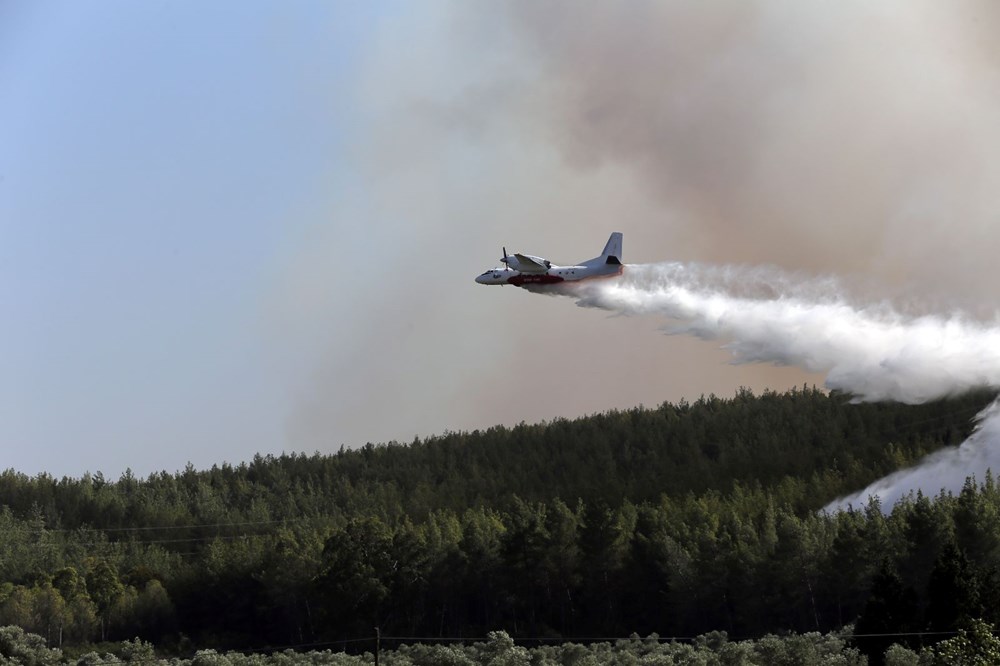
[[240, 227]]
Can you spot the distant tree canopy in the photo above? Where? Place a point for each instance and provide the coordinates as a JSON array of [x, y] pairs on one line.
[[679, 520]]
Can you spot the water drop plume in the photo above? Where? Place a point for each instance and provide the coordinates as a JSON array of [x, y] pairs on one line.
[[871, 350]]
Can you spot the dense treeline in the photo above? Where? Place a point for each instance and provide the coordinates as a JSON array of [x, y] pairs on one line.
[[679, 520], [636, 454], [977, 645], [497, 650]]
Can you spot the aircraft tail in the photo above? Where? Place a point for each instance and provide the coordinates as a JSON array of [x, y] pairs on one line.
[[613, 250]]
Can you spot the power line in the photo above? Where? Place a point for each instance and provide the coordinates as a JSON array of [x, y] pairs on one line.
[[146, 542], [160, 527]]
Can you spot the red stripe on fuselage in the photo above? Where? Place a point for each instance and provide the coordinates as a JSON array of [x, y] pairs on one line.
[[534, 278]]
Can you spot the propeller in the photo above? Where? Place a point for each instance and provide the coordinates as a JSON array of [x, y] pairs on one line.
[[506, 261]]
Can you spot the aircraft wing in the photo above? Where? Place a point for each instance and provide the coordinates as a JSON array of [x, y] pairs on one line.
[[527, 264]]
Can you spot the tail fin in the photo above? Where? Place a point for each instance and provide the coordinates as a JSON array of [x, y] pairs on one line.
[[613, 250]]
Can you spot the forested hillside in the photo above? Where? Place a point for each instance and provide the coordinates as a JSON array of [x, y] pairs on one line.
[[679, 520]]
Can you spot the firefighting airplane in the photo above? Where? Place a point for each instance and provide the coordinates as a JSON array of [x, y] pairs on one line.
[[522, 269]]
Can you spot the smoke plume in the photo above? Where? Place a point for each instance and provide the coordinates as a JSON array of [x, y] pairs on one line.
[[849, 138], [870, 350]]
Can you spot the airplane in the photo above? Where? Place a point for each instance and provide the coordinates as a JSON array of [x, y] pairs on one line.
[[525, 269]]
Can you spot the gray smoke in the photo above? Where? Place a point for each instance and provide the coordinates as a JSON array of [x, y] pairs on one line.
[[851, 137]]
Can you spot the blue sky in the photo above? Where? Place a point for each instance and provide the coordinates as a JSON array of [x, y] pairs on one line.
[[239, 227], [155, 157]]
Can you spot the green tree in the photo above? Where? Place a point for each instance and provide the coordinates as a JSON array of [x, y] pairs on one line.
[[562, 563], [82, 622], [605, 538], [499, 650], [147, 613], [105, 589], [20, 647], [288, 568], [525, 543], [69, 583], [49, 613], [898, 655], [357, 570], [481, 568], [16, 608], [975, 646], [891, 610], [952, 591]]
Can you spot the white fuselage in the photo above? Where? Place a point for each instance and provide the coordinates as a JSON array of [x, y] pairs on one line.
[[553, 275]]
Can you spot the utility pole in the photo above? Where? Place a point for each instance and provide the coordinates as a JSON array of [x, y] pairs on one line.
[[378, 643]]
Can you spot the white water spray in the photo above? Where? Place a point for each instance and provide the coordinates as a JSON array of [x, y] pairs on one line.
[[871, 351]]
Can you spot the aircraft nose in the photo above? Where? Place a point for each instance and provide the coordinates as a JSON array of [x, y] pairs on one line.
[[481, 279]]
